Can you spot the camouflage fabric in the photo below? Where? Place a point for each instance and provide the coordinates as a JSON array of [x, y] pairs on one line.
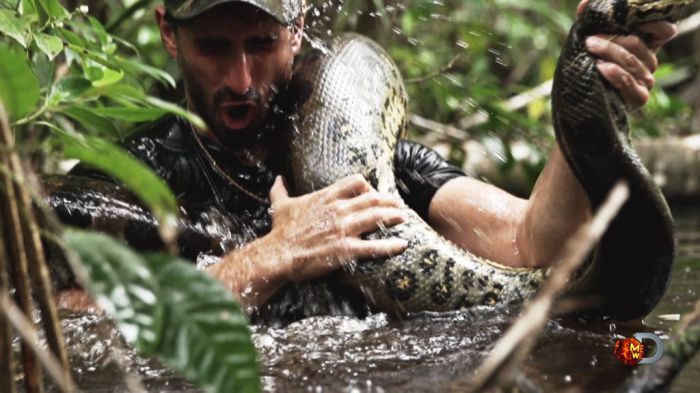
[[283, 10]]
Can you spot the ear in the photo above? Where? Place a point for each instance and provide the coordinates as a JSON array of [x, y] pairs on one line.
[[167, 32], [297, 35]]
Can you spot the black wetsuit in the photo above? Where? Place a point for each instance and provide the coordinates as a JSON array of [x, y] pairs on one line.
[[170, 148]]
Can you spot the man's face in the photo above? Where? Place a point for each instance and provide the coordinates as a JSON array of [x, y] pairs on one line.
[[233, 58]]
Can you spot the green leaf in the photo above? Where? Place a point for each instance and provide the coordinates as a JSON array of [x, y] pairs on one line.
[[91, 120], [73, 39], [137, 177], [99, 31], [177, 110], [123, 285], [50, 45], [72, 87], [108, 77], [14, 26], [209, 342], [19, 87], [169, 309], [54, 9], [134, 114], [118, 91], [137, 67]]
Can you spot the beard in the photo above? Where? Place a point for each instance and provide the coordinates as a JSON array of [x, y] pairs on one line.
[[209, 107]]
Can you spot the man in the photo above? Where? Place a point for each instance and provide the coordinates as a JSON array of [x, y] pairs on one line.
[[235, 55]]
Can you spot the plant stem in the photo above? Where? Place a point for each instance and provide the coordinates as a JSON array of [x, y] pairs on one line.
[[17, 254], [7, 375]]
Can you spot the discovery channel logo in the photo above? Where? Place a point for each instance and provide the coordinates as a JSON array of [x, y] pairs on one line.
[[633, 350]]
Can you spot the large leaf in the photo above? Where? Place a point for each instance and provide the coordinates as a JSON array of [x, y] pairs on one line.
[[131, 114], [50, 45], [53, 8], [209, 340], [92, 121], [136, 67], [195, 326], [19, 87], [122, 284], [14, 26], [114, 161]]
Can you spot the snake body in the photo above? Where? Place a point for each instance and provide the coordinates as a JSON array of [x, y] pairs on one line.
[[348, 122], [350, 110], [631, 267], [355, 110]]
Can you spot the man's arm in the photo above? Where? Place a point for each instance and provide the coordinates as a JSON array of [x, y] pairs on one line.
[[518, 232], [312, 235]]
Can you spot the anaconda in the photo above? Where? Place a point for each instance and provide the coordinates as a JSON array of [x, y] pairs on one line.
[[353, 108], [356, 109]]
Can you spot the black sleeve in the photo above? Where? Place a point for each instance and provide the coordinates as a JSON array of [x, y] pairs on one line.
[[420, 172]]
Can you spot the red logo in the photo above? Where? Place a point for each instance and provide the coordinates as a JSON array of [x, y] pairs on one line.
[[632, 351]]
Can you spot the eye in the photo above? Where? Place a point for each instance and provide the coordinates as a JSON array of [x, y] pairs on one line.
[[209, 45], [264, 42]]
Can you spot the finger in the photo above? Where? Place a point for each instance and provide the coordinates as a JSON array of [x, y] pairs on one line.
[[380, 248], [370, 220], [367, 200], [632, 92], [656, 34], [348, 187], [639, 66], [278, 192]]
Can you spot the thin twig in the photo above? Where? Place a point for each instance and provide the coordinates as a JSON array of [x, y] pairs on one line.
[[7, 377], [498, 369], [447, 67], [29, 335]]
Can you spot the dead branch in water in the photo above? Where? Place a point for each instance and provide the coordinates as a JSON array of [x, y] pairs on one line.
[[498, 370], [24, 251]]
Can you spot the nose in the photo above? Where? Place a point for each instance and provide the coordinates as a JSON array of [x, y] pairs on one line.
[[238, 77]]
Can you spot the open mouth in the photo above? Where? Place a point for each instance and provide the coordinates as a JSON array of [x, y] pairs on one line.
[[237, 116]]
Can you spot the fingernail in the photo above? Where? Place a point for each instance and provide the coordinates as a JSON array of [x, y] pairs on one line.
[[593, 42]]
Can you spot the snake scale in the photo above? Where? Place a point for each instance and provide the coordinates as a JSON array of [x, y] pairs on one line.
[[350, 112]]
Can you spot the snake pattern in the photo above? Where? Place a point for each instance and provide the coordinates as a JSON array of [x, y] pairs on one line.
[[351, 109]]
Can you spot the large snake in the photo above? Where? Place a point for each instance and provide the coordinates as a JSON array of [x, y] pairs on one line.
[[349, 122], [351, 110]]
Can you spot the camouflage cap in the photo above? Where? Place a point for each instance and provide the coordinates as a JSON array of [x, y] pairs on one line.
[[283, 10]]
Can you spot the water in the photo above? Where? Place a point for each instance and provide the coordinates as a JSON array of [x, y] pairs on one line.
[[423, 353]]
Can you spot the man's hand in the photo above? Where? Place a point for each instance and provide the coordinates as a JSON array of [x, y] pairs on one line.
[[628, 62], [312, 235], [322, 230]]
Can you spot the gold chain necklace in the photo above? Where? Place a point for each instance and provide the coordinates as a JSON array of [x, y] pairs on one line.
[[225, 175]]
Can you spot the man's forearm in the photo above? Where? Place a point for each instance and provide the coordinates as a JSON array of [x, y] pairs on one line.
[[254, 272], [557, 207]]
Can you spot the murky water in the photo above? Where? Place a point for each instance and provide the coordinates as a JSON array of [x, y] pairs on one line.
[[420, 354]]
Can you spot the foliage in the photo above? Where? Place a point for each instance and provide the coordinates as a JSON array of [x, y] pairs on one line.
[[165, 307], [72, 86]]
